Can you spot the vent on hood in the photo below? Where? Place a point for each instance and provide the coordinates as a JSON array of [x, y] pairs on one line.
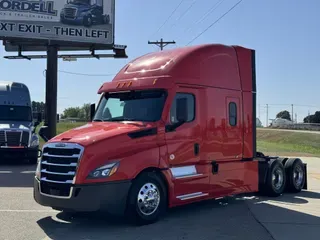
[[65, 139]]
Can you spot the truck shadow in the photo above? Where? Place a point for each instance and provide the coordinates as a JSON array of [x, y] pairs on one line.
[[246, 217], [16, 174]]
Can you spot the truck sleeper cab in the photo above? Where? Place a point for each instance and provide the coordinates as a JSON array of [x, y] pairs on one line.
[[172, 128]]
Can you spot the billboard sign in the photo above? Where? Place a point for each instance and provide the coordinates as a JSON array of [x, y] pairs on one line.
[[78, 21]]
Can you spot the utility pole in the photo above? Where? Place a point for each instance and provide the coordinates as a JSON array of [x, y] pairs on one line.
[[51, 91], [162, 43], [292, 112], [267, 115]]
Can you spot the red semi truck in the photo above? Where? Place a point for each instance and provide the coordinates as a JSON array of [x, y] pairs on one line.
[[172, 128]]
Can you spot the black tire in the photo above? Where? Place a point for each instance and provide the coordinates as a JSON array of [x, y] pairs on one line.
[[137, 213], [295, 175], [275, 187], [87, 21]]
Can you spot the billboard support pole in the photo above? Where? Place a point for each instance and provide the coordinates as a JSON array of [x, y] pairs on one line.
[[51, 90]]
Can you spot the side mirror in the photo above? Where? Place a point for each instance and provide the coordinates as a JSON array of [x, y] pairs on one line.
[[182, 110], [43, 133], [92, 111], [39, 117], [182, 114]]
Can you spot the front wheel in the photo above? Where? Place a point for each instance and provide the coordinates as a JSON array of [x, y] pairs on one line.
[[147, 200], [87, 21]]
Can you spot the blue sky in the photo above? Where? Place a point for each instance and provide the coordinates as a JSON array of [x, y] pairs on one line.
[[284, 33]]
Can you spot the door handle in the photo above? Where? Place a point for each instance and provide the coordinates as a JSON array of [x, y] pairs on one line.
[[196, 149]]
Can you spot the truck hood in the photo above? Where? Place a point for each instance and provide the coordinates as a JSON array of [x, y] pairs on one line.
[[97, 131], [15, 125]]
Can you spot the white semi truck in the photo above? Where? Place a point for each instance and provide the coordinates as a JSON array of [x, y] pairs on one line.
[[18, 139]]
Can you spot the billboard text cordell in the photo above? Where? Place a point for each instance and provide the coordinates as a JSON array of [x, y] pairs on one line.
[[29, 6]]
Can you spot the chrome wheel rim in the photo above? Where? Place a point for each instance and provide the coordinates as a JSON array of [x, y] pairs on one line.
[[298, 176], [277, 179], [148, 199]]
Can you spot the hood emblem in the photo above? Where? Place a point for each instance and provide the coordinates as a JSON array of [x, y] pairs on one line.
[[60, 145]]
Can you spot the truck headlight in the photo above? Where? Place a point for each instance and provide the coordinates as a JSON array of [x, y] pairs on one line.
[[104, 171], [38, 170], [34, 140]]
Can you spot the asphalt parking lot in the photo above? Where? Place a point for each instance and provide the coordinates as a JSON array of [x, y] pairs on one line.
[[246, 217]]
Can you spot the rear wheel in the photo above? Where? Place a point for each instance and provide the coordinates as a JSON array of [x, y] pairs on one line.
[[276, 179], [147, 200], [106, 19], [295, 174]]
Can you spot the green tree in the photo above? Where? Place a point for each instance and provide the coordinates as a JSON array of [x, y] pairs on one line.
[[85, 112], [72, 112], [284, 115], [38, 107], [315, 118]]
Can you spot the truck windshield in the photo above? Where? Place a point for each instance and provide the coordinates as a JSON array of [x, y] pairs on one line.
[[145, 106], [86, 2], [15, 113]]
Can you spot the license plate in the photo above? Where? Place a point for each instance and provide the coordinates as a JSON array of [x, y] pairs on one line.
[[54, 192]]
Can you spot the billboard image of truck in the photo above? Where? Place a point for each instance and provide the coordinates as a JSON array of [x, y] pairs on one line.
[[84, 12], [72, 21]]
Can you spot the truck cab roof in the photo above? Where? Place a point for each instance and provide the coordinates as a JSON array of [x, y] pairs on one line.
[[14, 93], [213, 65]]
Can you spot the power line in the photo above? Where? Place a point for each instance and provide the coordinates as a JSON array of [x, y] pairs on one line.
[[214, 7], [184, 13], [82, 74], [164, 23], [87, 74], [290, 104], [215, 22]]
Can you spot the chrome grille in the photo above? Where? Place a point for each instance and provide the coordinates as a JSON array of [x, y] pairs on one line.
[[13, 138], [58, 167], [70, 13]]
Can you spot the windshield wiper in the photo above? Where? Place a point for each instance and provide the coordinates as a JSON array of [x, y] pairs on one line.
[[120, 119], [97, 120]]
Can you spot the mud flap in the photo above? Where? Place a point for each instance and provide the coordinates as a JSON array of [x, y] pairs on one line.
[[305, 186]]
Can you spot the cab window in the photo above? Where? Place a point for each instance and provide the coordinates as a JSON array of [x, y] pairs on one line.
[[233, 114], [190, 107]]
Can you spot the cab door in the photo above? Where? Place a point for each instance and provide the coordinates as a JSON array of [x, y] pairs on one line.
[[184, 145], [233, 143]]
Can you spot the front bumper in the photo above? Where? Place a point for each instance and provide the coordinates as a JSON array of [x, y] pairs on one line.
[[18, 153], [78, 20], [110, 197]]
